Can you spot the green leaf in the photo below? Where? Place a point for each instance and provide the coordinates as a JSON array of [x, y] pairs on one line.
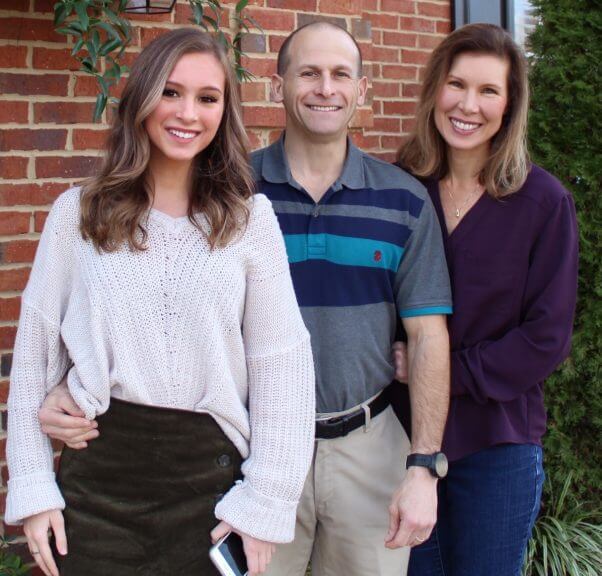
[[213, 22], [101, 103], [241, 5], [109, 46], [78, 46], [110, 30], [81, 8], [197, 14], [61, 11]]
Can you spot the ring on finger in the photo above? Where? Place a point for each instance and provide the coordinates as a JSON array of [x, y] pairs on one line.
[[34, 552], [418, 539]]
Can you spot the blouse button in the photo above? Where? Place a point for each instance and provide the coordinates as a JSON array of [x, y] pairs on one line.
[[223, 461]]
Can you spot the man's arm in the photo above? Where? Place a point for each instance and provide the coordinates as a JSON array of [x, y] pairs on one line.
[[62, 419], [413, 509]]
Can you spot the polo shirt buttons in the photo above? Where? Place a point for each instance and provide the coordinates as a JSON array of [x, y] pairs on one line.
[[316, 212], [224, 461]]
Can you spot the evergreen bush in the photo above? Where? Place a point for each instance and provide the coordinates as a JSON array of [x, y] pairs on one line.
[[565, 134]]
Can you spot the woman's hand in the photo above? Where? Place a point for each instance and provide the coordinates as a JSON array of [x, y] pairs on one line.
[[258, 552], [36, 530]]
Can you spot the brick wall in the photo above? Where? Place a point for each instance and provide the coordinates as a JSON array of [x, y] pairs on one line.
[[48, 141]]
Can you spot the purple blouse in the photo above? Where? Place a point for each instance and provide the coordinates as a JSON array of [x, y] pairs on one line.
[[513, 268]]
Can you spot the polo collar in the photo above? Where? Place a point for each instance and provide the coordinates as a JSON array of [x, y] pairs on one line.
[[275, 167]]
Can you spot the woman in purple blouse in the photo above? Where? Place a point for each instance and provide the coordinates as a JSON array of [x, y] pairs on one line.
[[510, 235]]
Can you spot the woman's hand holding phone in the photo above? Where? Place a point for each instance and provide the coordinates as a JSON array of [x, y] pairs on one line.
[[36, 530], [258, 552]]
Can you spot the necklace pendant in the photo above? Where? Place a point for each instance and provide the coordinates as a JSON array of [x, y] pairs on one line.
[[457, 213]]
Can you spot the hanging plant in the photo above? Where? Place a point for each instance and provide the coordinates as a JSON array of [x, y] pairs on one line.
[[102, 32]]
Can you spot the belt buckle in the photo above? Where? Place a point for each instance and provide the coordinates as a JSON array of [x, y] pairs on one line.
[[338, 425]]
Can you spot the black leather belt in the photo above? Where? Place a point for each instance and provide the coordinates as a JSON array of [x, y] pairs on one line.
[[342, 425]]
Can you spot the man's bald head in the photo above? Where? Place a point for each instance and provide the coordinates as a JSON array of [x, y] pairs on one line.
[[284, 52]]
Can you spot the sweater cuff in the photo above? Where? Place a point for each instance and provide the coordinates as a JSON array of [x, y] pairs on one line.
[[32, 494], [259, 516]]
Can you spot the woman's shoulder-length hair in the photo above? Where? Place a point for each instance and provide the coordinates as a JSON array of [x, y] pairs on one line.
[[115, 202], [424, 153]]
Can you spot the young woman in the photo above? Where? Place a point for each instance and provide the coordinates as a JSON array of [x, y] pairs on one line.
[[162, 287], [510, 235]]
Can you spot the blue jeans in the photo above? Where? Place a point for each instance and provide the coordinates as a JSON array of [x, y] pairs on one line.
[[487, 507]]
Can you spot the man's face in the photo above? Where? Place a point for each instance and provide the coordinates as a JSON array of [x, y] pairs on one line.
[[321, 86]]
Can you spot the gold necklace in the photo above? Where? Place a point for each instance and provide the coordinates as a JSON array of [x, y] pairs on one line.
[[458, 211]]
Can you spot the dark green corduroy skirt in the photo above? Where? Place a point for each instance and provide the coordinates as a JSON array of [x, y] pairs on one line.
[[140, 498]]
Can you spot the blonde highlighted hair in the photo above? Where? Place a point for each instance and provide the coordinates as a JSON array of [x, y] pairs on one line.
[[424, 153], [115, 202]]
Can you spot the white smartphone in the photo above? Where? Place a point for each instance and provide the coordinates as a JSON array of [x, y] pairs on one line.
[[228, 556]]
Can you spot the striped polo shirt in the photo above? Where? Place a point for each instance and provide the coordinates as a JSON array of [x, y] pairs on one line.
[[370, 251]]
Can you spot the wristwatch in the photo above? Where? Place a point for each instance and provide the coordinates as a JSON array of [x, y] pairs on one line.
[[436, 463]]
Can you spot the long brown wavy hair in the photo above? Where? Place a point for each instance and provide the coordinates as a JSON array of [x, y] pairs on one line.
[[424, 153], [115, 202]]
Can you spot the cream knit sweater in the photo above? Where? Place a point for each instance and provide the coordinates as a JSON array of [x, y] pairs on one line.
[[176, 325]]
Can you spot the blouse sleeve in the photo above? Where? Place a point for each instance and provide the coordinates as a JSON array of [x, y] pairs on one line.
[[281, 392], [543, 338], [40, 360]]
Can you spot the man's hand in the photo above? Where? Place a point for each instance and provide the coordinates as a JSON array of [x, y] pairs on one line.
[[413, 509], [62, 419], [400, 361], [258, 552]]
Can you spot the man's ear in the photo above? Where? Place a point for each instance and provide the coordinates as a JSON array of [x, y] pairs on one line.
[[362, 87], [276, 86]]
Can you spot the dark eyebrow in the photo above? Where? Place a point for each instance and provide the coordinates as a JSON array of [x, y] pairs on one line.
[[208, 87], [489, 84]]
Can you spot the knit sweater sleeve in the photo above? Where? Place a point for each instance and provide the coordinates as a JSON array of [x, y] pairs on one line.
[[40, 360], [281, 391]]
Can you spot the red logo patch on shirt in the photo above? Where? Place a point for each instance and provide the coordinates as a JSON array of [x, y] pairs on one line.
[[378, 256]]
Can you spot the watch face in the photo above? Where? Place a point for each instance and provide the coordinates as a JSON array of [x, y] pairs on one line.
[[441, 465]]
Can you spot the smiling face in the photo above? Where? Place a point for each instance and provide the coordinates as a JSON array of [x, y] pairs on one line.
[[321, 86], [190, 111], [470, 104]]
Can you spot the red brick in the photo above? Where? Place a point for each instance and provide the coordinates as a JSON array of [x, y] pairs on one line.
[[253, 43], [429, 42], [26, 139], [253, 91], [398, 6], [4, 395], [371, 5], [408, 125], [9, 307], [386, 89], [260, 67], [44, 5], [340, 6], [272, 19], [255, 140], [388, 157], [12, 28], [273, 136], [387, 125], [263, 116], [399, 72], [363, 118], [410, 90], [417, 24], [39, 219], [415, 56], [436, 10], [14, 223], [34, 84], [18, 251], [13, 56], [399, 108], [276, 42], [184, 15], [387, 21], [364, 142], [13, 279], [13, 112], [305, 18], [305, 5], [29, 194], [361, 29], [85, 139], [63, 112], [47, 59], [13, 167], [399, 39], [390, 142], [161, 17], [147, 35], [7, 337], [443, 27], [381, 54], [17, 5], [66, 167], [86, 86]]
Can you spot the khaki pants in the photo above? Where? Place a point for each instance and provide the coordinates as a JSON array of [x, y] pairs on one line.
[[343, 518]]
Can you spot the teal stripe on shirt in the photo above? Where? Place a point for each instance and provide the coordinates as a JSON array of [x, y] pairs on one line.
[[426, 311], [344, 250]]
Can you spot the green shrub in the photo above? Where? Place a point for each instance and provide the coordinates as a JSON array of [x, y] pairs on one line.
[[565, 133], [10, 564]]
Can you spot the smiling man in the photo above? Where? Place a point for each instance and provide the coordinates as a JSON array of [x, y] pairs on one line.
[[365, 249]]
